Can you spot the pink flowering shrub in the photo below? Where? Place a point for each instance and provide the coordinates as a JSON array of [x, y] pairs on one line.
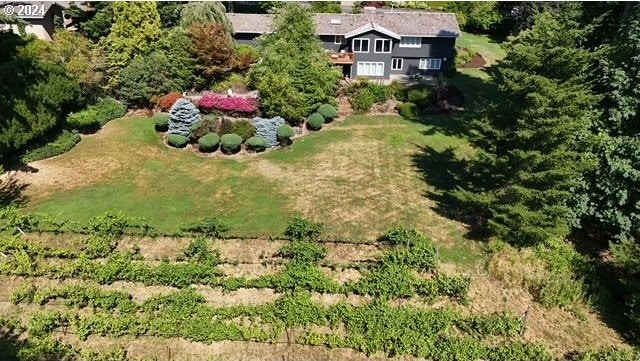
[[211, 102]]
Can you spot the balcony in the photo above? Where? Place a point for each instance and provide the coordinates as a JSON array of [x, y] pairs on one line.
[[342, 58]]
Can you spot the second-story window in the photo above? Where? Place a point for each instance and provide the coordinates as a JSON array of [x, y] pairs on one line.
[[361, 45], [339, 39], [410, 42], [383, 46]]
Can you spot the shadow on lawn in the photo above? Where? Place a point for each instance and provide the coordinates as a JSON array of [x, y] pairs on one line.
[[12, 191]]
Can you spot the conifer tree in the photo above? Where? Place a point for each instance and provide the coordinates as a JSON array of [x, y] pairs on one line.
[[532, 143], [135, 29]]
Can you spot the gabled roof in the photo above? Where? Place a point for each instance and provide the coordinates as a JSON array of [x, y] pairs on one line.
[[398, 23], [371, 27]]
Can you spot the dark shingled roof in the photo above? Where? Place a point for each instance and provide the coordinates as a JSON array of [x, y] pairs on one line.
[[404, 23]]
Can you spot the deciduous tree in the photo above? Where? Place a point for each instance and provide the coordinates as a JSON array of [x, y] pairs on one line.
[[213, 47]]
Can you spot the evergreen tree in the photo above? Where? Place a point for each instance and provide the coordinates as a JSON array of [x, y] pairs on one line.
[[532, 143], [295, 75], [135, 29], [205, 12], [183, 116]]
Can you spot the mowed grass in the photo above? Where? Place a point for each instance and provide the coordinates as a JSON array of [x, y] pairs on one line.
[[484, 45], [359, 177]]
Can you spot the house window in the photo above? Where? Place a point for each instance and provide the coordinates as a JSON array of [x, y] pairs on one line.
[[410, 42], [360, 45], [370, 68], [382, 46], [339, 39], [396, 63], [430, 64]]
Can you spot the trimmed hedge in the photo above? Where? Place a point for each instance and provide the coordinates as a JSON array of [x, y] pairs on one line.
[[161, 121], [257, 143], [209, 142], [230, 143], [315, 121], [328, 111], [285, 132], [61, 144], [95, 116], [177, 140], [408, 110]]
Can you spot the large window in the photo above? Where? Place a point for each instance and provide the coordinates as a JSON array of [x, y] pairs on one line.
[[396, 63], [382, 46], [430, 63], [360, 45], [339, 39], [370, 68], [410, 42]]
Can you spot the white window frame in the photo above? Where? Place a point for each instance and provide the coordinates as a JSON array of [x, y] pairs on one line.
[[353, 45], [371, 65], [339, 39], [430, 64], [410, 44], [397, 60], [375, 43]]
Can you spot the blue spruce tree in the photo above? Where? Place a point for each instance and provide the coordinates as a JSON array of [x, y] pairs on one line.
[[184, 115]]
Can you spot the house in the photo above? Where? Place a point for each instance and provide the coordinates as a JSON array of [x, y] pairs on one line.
[[40, 16], [378, 44]]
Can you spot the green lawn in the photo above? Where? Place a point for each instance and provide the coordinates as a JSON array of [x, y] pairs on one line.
[[485, 45], [360, 177]]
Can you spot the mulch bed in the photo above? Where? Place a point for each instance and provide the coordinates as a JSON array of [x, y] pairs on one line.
[[476, 62]]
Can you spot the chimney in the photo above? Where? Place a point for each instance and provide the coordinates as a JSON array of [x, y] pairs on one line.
[[369, 10]]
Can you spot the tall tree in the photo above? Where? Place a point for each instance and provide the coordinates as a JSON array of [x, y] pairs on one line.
[[95, 21], [205, 12], [294, 75], [135, 28], [532, 143]]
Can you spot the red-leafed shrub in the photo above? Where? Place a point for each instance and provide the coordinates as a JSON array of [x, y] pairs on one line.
[[212, 102], [166, 102]]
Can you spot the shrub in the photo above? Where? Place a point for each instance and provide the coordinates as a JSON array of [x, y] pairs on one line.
[[230, 143], [420, 97], [244, 128], [328, 111], [166, 101], [177, 140], [184, 115], [207, 125], [362, 102], [302, 229], [210, 226], [209, 142], [212, 102], [245, 56], [257, 143], [315, 121], [408, 110], [285, 132], [268, 129], [226, 126], [61, 144], [235, 82], [97, 115], [162, 121]]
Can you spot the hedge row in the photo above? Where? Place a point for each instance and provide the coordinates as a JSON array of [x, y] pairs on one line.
[[97, 115], [63, 143]]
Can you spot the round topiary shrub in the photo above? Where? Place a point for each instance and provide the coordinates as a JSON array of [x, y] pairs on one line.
[[408, 110], [285, 132], [161, 121], [328, 111], [209, 142], [257, 143], [230, 143], [177, 140], [315, 121]]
